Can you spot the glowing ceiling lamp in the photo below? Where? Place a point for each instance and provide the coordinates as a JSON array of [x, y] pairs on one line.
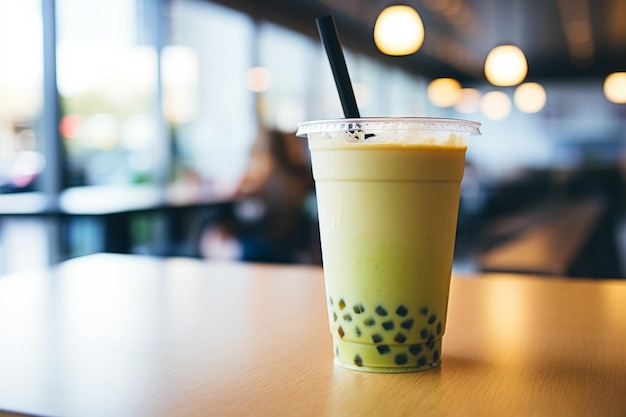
[[506, 66], [615, 87], [495, 105], [398, 31], [530, 97], [444, 92]]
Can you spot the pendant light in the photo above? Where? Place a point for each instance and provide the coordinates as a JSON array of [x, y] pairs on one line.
[[506, 66], [615, 87], [530, 97], [444, 92], [398, 31]]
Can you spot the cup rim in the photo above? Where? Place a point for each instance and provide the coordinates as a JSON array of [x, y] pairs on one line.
[[381, 123]]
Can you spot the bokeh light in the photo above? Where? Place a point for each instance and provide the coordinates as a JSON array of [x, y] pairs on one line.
[[506, 66], [615, 87], [495, 105], [258, 79], [444, 92], [398, 31], [69, 125], [469, 101], [530, 97]]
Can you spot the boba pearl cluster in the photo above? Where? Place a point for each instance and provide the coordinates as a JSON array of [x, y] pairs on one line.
[[395, 335]]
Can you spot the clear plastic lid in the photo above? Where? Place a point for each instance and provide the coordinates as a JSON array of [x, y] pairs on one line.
[[374, 124]]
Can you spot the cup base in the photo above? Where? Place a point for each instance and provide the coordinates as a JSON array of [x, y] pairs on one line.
[[388, 358], [387, 370]]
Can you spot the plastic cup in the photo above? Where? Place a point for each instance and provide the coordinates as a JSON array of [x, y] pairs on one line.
[[388, 196]]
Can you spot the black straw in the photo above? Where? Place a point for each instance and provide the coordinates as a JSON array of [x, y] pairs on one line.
[[330, 39]]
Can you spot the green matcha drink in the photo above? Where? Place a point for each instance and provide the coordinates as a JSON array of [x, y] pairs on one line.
[[388, 197]]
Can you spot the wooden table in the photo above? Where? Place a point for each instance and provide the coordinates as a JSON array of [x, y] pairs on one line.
[[119, 335]]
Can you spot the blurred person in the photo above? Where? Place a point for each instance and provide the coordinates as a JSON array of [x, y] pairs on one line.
[[269, 222]]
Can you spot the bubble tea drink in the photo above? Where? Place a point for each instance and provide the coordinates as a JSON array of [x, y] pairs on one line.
[[388, 197]]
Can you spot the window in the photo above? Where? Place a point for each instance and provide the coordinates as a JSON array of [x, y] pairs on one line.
[[291, 61], [107, 81], [209, 109], [21, 95]]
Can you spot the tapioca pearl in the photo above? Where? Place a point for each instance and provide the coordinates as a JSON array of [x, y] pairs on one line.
[[369, 322], [376, 338], [358, 361], [435, 355], [407, 324], [439, 328], [430, 344], [341, 332], [400, 338], [415, 349], [431, 337], [432, 318], [330, 300], [342, 304], [423, 311], [334, 316], [401, 359], [421, 361], [357, 331], [388, 325], [424, 334], [383, 349], [358, 309], [402, 311], [347, 317], [380, 310]]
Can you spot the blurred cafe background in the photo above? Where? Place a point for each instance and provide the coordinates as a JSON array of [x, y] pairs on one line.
[[165, 127]]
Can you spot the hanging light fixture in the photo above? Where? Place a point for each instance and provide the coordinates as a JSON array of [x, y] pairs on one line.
[[398, 31], [506, 66], [530, 97], [615, 87], [444, 92]]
